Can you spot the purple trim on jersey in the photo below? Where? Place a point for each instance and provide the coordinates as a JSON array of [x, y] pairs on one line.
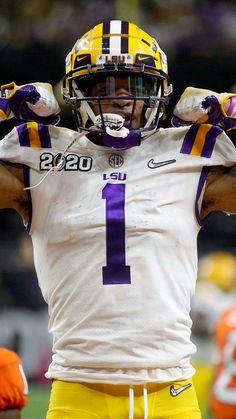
[[189, 139], [210, 141], [44, 136], [201, 183], [23, 135], [4, 105], [26, 174]]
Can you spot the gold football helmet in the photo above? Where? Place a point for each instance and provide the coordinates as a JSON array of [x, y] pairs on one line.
[[106, 54]]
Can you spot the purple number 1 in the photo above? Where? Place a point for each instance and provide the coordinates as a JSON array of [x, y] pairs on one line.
[[115, 272]]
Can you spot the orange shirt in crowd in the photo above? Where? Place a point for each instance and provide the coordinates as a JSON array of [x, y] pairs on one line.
[[13, 383]]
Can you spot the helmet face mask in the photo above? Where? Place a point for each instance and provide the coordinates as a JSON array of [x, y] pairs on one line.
[[116, 68], [106, 85]]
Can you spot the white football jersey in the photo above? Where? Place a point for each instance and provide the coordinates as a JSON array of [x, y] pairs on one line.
[[115, 246]]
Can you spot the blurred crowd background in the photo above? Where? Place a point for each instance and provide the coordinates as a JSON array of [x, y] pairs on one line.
[[197, 35], [199, 38]]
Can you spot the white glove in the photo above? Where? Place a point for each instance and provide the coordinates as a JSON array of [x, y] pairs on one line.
[[201, 106], [30, 102], [189, 107], [47, 104]]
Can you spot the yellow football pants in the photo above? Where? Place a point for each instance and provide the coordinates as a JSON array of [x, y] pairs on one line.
[[106, 401]]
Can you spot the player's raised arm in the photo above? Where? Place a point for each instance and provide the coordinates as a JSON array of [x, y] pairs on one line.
[[220, 192], [12, 193], [205, 106], [30, 102]]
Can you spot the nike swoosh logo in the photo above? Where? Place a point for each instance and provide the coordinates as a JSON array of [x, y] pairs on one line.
[[176, 391], [144, 58], [78, 59], [154, 165]]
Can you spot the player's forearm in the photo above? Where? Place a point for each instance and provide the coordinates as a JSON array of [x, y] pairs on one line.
[[220, 191]]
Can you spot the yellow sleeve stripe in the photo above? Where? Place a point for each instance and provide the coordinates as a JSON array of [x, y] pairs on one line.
[[34, 135], [200, 140]]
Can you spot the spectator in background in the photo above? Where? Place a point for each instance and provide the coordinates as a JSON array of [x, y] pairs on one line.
[[223, 401], [215, 292], [13, 385]]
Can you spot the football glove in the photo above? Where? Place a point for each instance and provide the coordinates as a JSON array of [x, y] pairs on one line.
[[31, 102], [204, 106]]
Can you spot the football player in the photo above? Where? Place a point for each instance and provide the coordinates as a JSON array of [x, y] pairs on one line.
[[114, 212], [215, 292], [13, 385], [224, 387]]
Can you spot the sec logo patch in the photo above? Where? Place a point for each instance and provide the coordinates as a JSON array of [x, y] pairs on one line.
[[116, 160]]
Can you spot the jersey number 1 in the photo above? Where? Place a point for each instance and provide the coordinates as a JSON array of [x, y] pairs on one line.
[[116, 271]]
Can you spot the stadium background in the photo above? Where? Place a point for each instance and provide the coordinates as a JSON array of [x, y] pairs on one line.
[[199, 38]]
